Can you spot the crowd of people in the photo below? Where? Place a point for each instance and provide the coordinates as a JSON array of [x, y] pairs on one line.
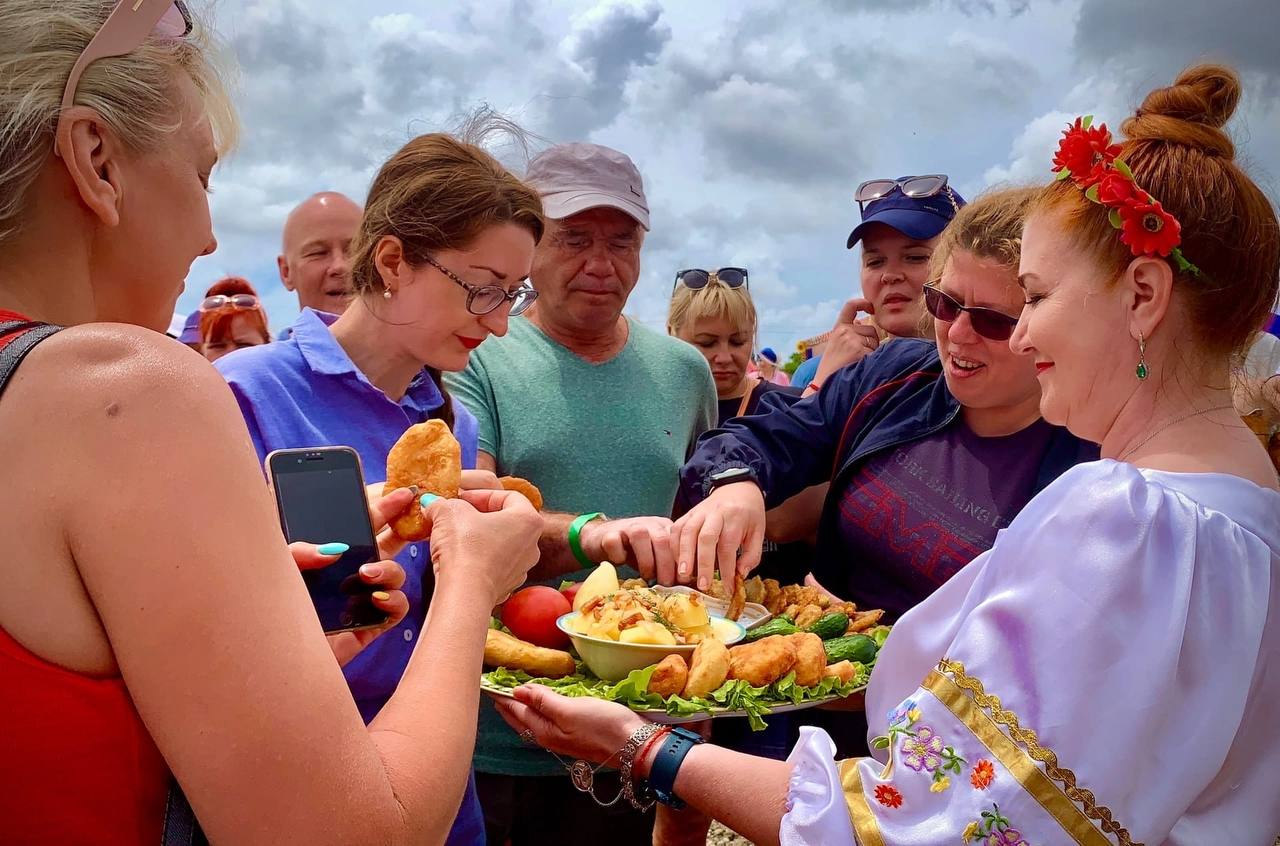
[[1030, 439]]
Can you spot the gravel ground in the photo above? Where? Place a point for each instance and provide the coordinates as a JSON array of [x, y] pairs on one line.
[[721, 836]]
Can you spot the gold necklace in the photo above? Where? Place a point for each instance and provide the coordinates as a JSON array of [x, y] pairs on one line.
[[1131, 449]]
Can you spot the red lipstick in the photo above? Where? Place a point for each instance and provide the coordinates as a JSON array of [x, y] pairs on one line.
[[469, 343]]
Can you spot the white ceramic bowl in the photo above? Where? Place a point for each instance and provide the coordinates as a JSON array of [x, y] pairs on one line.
[[612, 660]]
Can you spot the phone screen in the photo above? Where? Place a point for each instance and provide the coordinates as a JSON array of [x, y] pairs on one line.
[[320, 494]]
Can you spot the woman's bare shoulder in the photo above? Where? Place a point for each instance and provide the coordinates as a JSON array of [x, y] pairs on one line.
[[103, 365]]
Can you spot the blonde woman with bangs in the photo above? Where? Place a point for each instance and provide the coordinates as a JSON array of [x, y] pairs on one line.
[[154, 630], [713, 311]]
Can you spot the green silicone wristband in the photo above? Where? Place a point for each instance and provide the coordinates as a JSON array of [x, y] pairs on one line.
[[575, 537]]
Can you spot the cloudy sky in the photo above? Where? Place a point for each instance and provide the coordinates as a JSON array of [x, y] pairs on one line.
[[751, 120]]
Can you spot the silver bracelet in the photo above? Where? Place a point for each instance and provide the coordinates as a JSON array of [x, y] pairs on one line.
[[641, 800]]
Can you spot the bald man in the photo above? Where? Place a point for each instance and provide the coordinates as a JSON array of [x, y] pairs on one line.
[[315, 259]]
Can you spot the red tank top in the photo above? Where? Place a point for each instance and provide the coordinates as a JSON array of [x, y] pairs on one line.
[[76, 763]]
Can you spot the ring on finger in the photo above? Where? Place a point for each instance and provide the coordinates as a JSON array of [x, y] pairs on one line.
[[528, 736]]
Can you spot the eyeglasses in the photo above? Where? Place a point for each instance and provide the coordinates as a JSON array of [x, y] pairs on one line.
[[695, 278], [125, 30], [217, 301], [482, 299], [915, 187], [987, 322]]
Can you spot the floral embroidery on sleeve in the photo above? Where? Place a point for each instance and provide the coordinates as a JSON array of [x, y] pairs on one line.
[[983, 774], [888, 796], [994, 829], [923, 749]]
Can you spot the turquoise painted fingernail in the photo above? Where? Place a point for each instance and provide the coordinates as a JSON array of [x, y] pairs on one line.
[[332, 548], [427, 498]]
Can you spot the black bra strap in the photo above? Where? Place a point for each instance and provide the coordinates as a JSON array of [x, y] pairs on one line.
[[12, 353]]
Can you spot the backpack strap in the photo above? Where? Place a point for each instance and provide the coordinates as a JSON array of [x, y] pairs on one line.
[[17, 338], [180, 825]]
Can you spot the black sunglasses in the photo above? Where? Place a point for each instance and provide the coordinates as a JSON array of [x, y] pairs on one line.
[[695, 278], [987, 322], [482, 299]]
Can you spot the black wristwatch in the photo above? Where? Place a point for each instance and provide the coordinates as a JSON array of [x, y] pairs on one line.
[[728, 477]]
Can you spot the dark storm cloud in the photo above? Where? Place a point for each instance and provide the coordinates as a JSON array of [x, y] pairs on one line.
[[1168, 35], [590, 93]]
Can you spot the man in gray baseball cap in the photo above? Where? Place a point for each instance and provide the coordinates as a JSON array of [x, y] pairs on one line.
[[599, 412]]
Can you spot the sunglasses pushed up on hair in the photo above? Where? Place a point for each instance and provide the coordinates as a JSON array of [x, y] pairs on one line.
[[127, 28], [987, 322], [695, 278], [236, 301]]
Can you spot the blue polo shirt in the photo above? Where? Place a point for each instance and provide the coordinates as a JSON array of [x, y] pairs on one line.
[[306, 392]]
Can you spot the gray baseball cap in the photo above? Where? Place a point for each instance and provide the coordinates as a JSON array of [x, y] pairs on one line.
[[575, 177]]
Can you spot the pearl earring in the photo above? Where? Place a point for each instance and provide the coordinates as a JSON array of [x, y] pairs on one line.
[[386, 295]]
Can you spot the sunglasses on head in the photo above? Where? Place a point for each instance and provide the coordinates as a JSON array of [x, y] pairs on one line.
[[240, 301], [915, 187], [987, 322], [126, 29], [695, 278]]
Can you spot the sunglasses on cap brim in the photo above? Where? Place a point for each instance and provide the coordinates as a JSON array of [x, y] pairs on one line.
[[915, 187], [695, 278], [987, 322], [126, 29]]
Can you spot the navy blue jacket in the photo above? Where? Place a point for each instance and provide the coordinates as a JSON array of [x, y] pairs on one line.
[[891, 397]]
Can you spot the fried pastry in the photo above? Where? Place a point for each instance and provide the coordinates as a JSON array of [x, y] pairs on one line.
[[842, 670], [708, 669], [864, 620], [525, 487], [755, 590], [808, 615], [504, 650], [763, 662], [773, 598], [427, 457], [811, 658], [738, 601], [669, 677]]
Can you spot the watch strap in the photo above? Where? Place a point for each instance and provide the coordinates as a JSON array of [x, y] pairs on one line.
[[666, 764]]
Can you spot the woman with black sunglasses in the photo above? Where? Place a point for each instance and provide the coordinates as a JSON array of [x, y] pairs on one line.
[[930, 447]]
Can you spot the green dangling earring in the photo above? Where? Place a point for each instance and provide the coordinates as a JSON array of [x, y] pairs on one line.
[[1142, 371]]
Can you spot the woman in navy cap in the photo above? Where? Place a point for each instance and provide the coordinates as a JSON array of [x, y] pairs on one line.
[[901, 221]]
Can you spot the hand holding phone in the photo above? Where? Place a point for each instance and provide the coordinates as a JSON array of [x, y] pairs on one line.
[[320, 496]]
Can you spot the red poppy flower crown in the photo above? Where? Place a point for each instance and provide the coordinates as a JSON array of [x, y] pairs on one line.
[[1087, 157]]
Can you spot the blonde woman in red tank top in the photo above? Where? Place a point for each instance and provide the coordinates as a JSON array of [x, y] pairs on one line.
[[152, 621]]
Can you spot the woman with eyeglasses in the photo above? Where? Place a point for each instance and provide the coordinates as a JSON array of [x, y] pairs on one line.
[[930, 448], [231, 318], [439, 263], [156, 638]]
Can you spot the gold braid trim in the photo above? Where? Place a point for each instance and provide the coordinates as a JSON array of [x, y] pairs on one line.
[[1025, 736]]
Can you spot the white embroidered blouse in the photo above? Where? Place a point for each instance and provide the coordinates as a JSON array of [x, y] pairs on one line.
[[1108, 673]]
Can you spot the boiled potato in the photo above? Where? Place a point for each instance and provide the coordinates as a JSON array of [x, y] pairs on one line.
[[647, 632], [602, 582], [686, 612]]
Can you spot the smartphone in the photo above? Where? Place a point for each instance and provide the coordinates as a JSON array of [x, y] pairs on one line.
[[320, 496]]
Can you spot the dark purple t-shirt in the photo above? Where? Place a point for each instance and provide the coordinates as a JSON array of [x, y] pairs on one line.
[[911, 517]]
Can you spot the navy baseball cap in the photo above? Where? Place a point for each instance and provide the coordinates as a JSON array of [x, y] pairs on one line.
[[919, 218]]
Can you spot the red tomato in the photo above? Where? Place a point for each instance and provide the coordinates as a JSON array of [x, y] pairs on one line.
[[571, 591], [531, 615]]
